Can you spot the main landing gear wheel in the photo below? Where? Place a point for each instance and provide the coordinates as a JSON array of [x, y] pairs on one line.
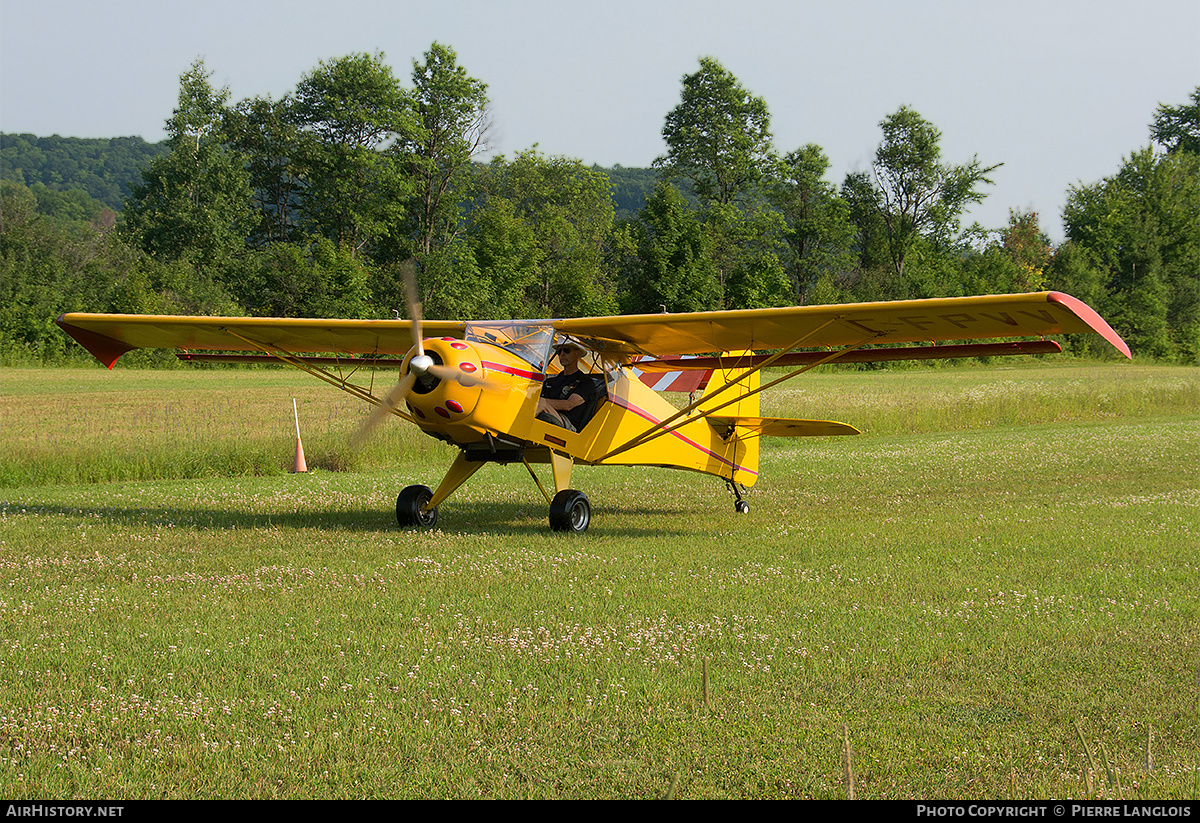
[[570, 512], [741, 507], [410, 507]]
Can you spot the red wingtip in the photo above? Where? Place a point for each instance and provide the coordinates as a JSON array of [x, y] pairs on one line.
[[103, 348], [1088, 315]]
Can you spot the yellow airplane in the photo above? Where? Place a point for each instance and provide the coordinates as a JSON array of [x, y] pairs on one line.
[[479, 384]]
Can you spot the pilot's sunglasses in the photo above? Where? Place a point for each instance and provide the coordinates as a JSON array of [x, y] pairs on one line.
[[563, 349]]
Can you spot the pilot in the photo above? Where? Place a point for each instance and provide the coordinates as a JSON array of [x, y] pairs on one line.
[[568, 397]]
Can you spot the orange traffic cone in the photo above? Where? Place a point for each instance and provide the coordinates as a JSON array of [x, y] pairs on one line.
[[298, 465]]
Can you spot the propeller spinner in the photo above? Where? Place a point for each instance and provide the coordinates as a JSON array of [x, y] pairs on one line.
[[421, 366]]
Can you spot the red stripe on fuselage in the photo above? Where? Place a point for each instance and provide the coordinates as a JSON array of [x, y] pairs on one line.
[[528, 375], [625, 404]]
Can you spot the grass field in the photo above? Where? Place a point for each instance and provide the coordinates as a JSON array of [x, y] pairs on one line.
[[992, 593]]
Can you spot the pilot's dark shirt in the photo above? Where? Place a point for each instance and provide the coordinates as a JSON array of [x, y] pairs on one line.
[[563, 385]]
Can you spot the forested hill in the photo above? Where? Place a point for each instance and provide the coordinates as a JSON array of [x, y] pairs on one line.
[[314, 206], [631, 188], [104, 169]]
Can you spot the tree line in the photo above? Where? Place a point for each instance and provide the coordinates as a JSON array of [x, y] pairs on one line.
[[90, 174], [311, 204]]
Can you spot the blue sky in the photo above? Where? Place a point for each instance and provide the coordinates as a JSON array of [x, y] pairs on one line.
[[1060, 92]]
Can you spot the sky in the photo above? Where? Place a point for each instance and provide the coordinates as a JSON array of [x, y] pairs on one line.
[[1059, 91]]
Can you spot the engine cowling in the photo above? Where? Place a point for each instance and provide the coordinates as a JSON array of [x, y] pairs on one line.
[[438, 401]]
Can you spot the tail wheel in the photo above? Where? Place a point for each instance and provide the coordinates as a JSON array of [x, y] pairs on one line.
[[410, 507], [570, 511]]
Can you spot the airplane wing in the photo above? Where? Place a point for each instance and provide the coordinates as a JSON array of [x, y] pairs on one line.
[[851, 324], [108, 336]]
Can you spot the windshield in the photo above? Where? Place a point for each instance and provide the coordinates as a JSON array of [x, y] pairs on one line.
[[528, 341]]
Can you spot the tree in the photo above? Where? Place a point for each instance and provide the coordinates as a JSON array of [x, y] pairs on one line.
[[263, 132], [1072, 270], [1014, 259], [449, 131], [102, 167], [670, 269], [563, 214], [744, 242], [348, 111], [1029, 249], [193, 203], [48, 267], [1140, 230], [819, 231], [719, 141], [917, 195], [314, 279], [718, 137], [436, 155], [503, 270], [1177, 128]]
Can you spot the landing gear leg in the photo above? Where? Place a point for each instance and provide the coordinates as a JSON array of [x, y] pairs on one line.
[[740, 505], [418, 506]]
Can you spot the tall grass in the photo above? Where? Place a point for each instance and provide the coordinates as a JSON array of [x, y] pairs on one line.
[[982, 397], [86, 425]]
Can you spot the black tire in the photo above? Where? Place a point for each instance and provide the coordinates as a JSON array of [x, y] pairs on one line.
[[410, 507], [741, 507], [570, 512]]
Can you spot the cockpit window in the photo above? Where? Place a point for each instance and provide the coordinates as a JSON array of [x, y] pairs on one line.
[[528, 341]]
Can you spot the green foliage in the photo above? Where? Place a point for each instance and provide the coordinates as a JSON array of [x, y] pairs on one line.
[[347, 111], [719, 142], [917, 196], [718, 137], [505, 260], [48, 267], [317, 279], [310, 204], [193, 203], [71, 206], [631, 188], [263, 132], [745, 242], [668, 267], [449, 130], [1177, 128], [104, 169], [557, 215], [1140, 231], [1029, 250], [820, 233]]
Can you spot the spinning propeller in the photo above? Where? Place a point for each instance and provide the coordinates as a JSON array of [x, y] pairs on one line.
[[420, 367]]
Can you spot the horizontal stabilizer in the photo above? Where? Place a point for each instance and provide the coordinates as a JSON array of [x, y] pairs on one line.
[[780, 427]]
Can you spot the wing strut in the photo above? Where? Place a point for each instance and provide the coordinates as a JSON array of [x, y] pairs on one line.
[[320, 374], [669, 425]]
